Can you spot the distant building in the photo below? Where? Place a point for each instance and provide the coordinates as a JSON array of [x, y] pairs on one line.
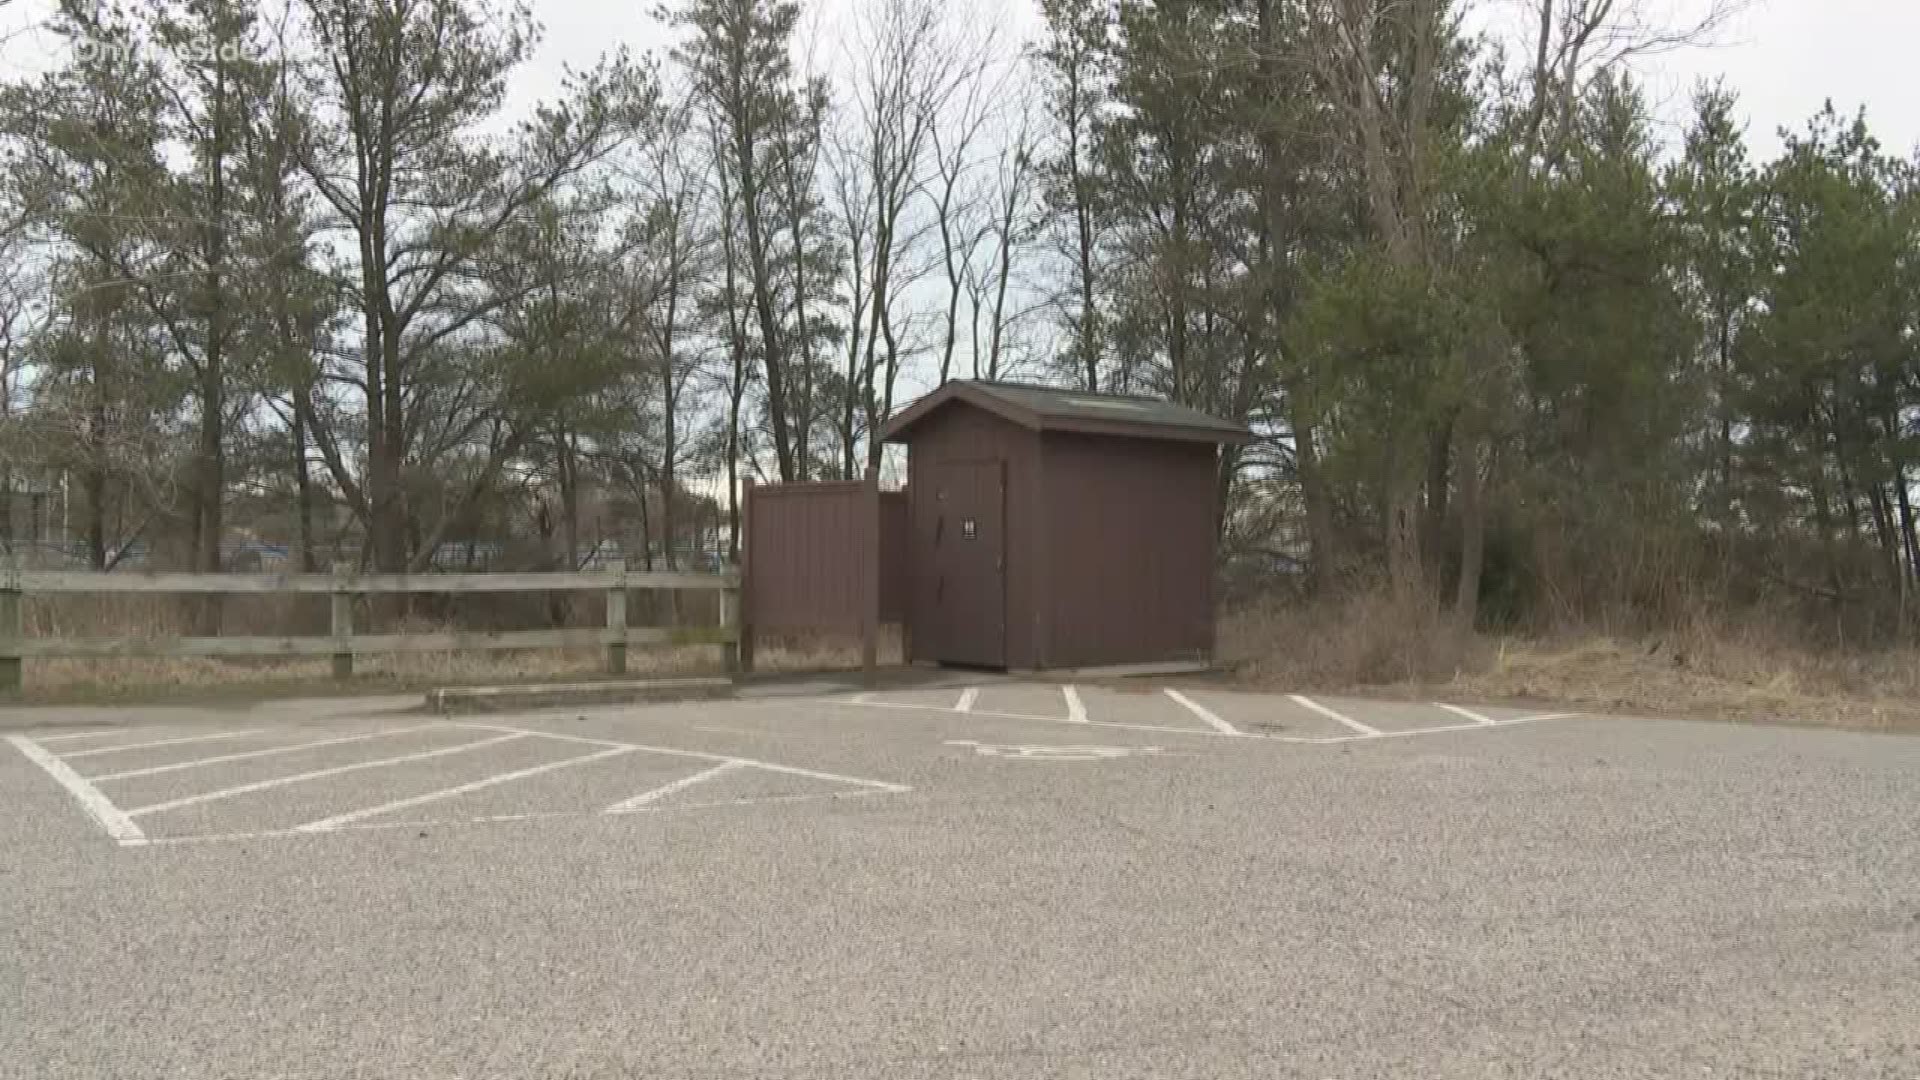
[[32, 519]]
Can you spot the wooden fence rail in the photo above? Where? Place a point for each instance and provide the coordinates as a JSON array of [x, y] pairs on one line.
[[342, 644]]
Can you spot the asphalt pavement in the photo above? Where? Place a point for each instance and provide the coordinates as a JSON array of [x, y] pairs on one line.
[[1007, 880]]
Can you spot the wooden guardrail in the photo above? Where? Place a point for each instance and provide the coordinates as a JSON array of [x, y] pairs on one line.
[[342, 644]]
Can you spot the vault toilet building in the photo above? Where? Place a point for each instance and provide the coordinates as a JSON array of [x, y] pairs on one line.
[[1057, 528]]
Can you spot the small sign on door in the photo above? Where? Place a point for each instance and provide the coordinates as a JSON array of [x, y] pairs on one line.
[[969, 529]]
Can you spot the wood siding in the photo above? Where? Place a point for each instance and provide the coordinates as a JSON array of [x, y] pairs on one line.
[[1129, 550]]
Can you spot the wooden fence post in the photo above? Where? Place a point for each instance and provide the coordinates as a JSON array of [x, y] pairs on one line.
[[617, 619], [730, 622], [342, 628], [743, 644], [12, 629], [870, 603]]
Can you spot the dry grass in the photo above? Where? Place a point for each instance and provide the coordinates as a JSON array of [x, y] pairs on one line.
[[128, 680], [1702, 673], [1753, 671], [1364, 640]]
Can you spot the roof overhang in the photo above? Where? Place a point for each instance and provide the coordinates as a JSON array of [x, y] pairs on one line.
[[898, 425]]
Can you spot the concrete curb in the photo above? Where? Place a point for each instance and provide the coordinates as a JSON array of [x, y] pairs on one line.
[[491, 699]]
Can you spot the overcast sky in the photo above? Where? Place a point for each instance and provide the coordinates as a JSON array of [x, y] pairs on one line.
[[1783, 57]]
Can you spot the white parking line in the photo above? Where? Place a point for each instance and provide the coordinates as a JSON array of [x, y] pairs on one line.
[[118, 824], [474, 725], [661, 792], [336, 821], [44, 739], [489, 819], [97, 751], [1332, 714], [244, 755], [877, 785], [280, 781], [1076, 710], [1202, 712], [967, 698], [1451, 727], [1363, 731], [881, 785], [1468, 713]]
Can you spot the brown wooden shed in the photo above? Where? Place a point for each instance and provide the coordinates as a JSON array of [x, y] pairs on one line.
[[1058, 528]]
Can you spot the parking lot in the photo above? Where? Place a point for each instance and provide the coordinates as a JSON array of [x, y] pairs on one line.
[[988, 879]]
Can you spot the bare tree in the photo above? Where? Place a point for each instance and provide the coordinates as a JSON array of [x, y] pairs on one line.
[[1011, 226], [396, 93], [909, 70], [853, 211], [21, 306], [799, 150], [956, 201], [732, 304], [738, 58], [1576, 41], [1380, 70], [1072, 60], [676, 259]]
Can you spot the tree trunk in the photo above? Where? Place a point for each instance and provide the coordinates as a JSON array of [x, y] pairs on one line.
[[879, 322], [851, 395], [1323, 556], [875, 448], [804, 411], [1406, 569], [212, 486], [999, 324], [568, 463], [944, 214], [1473, 539], [670, 435], [1439, 487], [733, 504], [386, 518], [303, 495], [94, 479], [646, 525], [213, 461], [772, 355], [1823, 520], [1087, 342], [1910, 545], [94, 482], [733, 459]]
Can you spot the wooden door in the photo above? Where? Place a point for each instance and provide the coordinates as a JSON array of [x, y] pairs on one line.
[[960, 573]]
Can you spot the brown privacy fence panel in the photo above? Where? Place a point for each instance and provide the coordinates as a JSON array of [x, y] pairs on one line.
[[829, 556], [810, 558], [896, 576]]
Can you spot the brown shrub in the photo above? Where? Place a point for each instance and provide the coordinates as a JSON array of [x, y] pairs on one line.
[[1756, 665], [1363, 639]]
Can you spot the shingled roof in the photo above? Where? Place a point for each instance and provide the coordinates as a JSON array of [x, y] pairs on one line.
[[1044, 408]]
